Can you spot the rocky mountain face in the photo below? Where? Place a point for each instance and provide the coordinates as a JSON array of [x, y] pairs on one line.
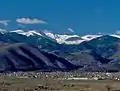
[[23, 57], [45, 51]]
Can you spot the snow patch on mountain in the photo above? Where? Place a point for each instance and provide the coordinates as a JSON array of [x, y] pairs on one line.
[[60, 38], [76, 42], [49, 34], [90, 37], [115, 35], [3, 31], [27, 33]]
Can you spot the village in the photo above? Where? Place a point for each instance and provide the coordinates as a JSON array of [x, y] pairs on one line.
[[64, 75]]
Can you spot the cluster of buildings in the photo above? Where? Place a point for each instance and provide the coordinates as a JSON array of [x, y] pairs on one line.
[[65, 75]]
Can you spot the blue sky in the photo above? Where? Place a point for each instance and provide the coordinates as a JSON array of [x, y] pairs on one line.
[[82, 16]]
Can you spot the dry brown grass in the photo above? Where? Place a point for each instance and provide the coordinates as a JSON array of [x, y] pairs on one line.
[[18, 84]]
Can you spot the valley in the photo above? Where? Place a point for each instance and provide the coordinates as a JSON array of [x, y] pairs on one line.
[[54, 84]]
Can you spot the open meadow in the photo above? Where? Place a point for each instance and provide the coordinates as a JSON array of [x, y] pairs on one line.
[[35, 84]]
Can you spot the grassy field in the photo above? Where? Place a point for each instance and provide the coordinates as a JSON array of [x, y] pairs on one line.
[[20, 84]]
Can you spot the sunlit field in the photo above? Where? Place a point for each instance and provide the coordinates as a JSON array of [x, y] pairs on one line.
[[46, 84]]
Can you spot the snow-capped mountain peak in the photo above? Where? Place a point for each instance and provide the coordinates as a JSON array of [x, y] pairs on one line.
[[68, 39], [60, 38], [34, 32], [27, 33], [49, 34]]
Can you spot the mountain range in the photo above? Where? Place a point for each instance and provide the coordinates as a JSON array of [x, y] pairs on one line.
[[46, 51]]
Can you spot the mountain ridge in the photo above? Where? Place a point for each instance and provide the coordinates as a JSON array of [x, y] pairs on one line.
[[27, 50], [60, 38]]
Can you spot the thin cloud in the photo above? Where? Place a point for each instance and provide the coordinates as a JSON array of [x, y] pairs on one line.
[[71, 30], [30, 21], [4, 22]]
